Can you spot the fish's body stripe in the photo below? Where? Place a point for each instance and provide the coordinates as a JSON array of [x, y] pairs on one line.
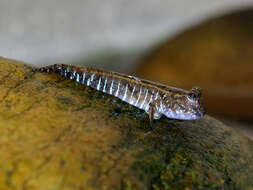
[[161, 106], [83, 78], [138, 97], [73, 75], [111, 87], [143, 102], [150, 100], [157, 93], [88, 82], [92, 77], [131, 97], [105, 84], [117, 92], [77, 77], [99, 81], [125, 94]]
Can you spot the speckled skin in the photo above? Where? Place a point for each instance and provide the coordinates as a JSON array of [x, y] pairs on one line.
[[156, 99]]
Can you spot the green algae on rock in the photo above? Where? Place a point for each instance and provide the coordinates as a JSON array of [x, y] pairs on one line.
[[56, 134]]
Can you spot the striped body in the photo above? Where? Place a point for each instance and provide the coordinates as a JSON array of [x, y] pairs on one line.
[[137, 92]]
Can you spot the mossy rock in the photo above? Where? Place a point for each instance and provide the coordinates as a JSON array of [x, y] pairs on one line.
[[56, 134]]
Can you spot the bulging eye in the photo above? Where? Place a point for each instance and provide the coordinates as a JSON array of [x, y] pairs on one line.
[[192, 95], [195, 93]]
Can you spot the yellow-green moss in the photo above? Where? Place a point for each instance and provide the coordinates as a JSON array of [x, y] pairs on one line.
[[55, 134]]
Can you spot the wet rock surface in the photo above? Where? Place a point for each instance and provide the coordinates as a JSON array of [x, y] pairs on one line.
[[56, 134]]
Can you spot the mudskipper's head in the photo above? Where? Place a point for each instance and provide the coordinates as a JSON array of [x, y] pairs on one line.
[[185, 105]]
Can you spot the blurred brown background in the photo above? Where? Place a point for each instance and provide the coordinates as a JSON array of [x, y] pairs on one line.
[[216, 55]]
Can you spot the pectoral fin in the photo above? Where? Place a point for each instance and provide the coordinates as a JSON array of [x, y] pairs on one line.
[[153, 114]]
